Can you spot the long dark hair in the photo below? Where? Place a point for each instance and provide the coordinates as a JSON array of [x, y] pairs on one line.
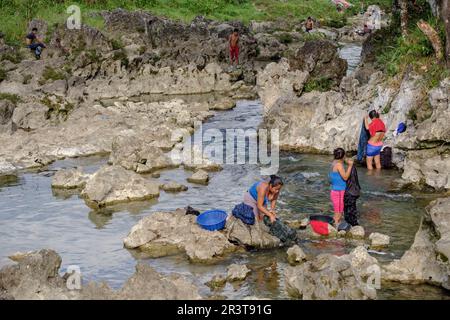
[[374, 114], [275, 181], [338, 153]]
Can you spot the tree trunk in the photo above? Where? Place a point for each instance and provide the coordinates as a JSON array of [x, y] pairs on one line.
[[434, 38], [445, 14], [404, 17]]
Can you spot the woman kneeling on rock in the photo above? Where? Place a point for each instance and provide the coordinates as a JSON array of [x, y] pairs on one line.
[[260, 194], [338, 177]]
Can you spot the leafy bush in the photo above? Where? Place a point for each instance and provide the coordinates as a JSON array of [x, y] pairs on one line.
[[285, 38], [321, 84], [116, 44]]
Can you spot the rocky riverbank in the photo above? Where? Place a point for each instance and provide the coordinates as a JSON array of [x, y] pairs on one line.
[[80, 100]]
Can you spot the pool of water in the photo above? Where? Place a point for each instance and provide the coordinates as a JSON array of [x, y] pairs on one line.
[[352, 53], [33, 217]]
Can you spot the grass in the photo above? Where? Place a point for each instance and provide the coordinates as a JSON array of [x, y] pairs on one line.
[[57, 109], [3, 75], [51, 74], [396, 54], [321, 84], [13, 56], [14, 98], [15, 14]]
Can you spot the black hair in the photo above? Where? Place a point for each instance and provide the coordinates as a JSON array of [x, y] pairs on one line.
[[236, 30], [374, 114], [275, 181], [339, 153], [34, 29], [309, 18]]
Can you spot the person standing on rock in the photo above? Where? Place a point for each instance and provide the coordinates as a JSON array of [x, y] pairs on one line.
[[259, 195], [377, 130], [234, 46], [338, 177], [34, 43]]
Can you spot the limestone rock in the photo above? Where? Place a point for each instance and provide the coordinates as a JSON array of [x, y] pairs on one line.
[[36, 276], [379, 240], [114, 184], [70, 179], [199, 177], [237, 272], [327, 277], [256, 235], [297, 224], [295, 255], [217, 281], [166, 233], [224, 104], [356, 232], [147, 284], [173, 187]]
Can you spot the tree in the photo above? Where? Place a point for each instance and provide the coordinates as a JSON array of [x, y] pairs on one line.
[[404, 17], [445, 15], [434, 38]]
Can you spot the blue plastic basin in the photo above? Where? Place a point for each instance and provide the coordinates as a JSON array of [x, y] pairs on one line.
[[212, 220]]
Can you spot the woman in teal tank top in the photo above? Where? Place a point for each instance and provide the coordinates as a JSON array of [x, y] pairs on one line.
[[259, 195], [338, 177]]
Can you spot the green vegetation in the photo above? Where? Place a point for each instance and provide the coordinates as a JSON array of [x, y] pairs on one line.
[[51, 74], [15, 14], [321, 84], [122, 56], [396, 54], [285, 38], [59, 110], [3, 75], [13, 56], [14, 98], [116, 44], [27, 78]]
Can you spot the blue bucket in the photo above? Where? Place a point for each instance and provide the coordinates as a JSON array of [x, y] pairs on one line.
[[212, 220]]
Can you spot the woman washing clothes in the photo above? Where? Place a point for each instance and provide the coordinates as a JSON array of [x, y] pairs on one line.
[[377, 130], [338, 177], [259, 195]]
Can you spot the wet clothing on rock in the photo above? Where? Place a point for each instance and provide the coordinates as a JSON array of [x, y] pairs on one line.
[[190, 210], [245, 213], [280, 230]]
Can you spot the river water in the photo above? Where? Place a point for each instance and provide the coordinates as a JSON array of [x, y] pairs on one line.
[[33, 216]]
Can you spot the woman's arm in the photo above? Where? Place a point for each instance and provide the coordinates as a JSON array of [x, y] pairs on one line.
[[345, 174], [260, 202], [366, 122]]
